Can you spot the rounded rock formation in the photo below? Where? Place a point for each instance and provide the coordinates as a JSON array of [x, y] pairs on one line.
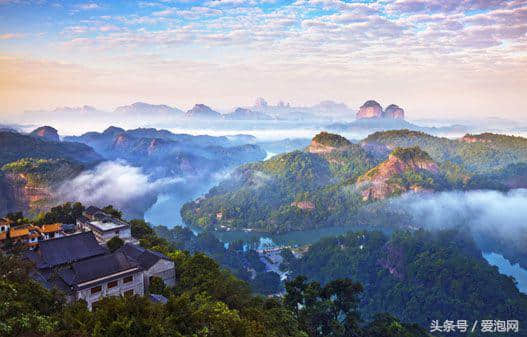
[[47, 133], [394, 112], [370, 109]]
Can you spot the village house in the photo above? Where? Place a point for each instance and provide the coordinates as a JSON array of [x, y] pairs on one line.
[[27, 235], [52, 231], [103, 225], [154, 264], [85, 270], [5, 226]]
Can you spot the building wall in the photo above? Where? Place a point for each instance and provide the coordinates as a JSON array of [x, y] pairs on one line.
[[165, 270], [137, 286], [124, 233]]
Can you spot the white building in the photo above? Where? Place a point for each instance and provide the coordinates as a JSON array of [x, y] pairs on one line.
[[154, 264], [103, 225], [107, 275]]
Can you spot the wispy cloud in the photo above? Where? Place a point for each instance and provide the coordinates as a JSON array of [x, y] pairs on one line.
[[365, 49]]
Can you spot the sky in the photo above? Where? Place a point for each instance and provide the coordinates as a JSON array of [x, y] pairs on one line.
[[435, 58]]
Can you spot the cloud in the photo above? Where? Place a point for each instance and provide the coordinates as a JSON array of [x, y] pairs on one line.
[[495, 218], [89, 6], [118, 184], [10, 36]]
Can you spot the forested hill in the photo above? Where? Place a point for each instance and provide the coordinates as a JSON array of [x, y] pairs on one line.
[[32, 166], [477, 154], [332, 179], [206, 301], [16, 146], [417, 276]]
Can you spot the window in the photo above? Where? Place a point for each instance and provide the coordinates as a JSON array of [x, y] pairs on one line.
[[112, 284], [96, 290], [128, 279], [129, 292]]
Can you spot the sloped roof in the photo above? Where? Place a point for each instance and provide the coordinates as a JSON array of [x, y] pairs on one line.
[[5, 222], [145, 257], [97, 267], [67, 249], [18, 232], [51, 228], [92, 210]]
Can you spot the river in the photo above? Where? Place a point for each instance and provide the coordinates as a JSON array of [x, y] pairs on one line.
[[506, 268], [166, 211]]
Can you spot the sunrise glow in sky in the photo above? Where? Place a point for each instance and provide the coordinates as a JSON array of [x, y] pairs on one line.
[[436, 58]]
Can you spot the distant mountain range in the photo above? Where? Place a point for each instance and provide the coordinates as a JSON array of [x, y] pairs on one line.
[[260, 111], [34, 166]]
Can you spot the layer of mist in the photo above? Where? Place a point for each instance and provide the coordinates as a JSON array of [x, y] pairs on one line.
[[117, 183], [497, 220]]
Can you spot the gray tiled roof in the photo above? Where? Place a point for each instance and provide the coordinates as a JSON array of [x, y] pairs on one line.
[[97, 267], [146, 258], [92, 210], [67, 249]]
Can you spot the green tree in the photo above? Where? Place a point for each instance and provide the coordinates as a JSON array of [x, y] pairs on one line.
[[114, 243]]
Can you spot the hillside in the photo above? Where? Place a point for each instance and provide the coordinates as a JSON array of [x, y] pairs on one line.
[[165, 153], [293, 191], [31, 167], [416, 276], [16, 146], [207, 300], [405, 169], [332, 180], [29, 184], [477, 154]]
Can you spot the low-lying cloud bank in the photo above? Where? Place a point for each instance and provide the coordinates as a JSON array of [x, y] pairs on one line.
[[496, 220], [502, 213], [116, 183]]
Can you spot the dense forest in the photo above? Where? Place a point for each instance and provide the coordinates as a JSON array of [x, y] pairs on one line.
[[206, 301], [415, 275], [330, 182]]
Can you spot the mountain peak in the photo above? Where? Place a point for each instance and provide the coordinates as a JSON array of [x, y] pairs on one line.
[[202, 111], [370, 109], [47, 133], [260, 103], [327, 142], [393, 111], [373, 110], [391, 176], [113, 130]]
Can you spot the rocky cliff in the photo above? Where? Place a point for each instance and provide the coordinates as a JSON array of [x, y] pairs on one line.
[[394, 112], [370, 109], [373, 110], [405, 169], [29, 184], [46, 133]]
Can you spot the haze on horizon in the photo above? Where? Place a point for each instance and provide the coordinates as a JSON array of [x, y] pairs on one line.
[[441, 59]]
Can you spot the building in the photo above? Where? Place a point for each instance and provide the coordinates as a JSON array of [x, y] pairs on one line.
[[65, 250], [52, 231], [5, 226], [85, 270], [102, 276], [103, 225], [154, 264], [27, 235]]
